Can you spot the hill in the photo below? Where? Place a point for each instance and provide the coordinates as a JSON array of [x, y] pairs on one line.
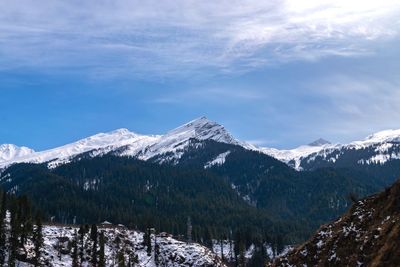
[[367, 235]]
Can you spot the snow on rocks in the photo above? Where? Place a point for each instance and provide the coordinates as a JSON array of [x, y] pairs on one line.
[[167, 148], [366, 234], [9, 152], [170, 147], [57, 249]]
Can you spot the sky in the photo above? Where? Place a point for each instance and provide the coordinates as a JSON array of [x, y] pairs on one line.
[[276, 73]]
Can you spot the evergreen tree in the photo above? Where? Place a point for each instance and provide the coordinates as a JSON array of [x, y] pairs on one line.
[[147, 240], [93, 237], [75, 262], [15, 230], [189, 230], [24, 215], [102, 262], [156, 252], [208, 238], [121, 258], [3, 240], [38, 241], [279, 244], [81, 233], [242, 259]]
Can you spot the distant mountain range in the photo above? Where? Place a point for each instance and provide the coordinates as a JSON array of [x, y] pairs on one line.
[[167, 148], [377, 149], [200, 170]]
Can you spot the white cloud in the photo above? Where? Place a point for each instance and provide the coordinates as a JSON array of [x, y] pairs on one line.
[[358, 105], [181, 36]]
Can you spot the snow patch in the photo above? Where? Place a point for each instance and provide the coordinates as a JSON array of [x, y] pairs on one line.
[[218, 160]]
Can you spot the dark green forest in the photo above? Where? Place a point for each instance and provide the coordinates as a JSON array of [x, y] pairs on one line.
[[251, 198]]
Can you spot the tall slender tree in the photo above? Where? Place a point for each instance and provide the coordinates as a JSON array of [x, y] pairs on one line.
[[121, 258], [75, 262], [93, 237], [38, 241], [102, 262], [81, 233], [3, 236]]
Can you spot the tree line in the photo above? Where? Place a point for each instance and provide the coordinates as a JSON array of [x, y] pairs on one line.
[[19, 223]]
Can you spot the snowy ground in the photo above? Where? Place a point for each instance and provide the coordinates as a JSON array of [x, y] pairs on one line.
[[58, 239], [226, 249]]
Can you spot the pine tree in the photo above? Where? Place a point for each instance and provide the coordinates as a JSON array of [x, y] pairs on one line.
[[81, 233], [189, 230], [208, 238], [242, 259], [93, 237], [156, 252], [121, 258], [147, 240], [75, 262], [222, 248], [15, 229], [3, 240], [38, 241], [102, 262]]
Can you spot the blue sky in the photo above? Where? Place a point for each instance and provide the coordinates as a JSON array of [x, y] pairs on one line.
[[279, 74]]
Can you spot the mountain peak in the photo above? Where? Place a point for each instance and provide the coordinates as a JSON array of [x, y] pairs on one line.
[[10, 151], [204, 129], [198, 122], [384, 136], [319, 142], [120, 131]]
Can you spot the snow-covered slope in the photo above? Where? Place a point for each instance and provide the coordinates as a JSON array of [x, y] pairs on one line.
[[9, 152], [377, 148], [173, 144], [170, 147], [294, 156], [167, 148], [97, 144], [58, 249]]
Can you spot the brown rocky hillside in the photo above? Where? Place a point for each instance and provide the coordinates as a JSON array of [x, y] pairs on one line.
[[367, 235]]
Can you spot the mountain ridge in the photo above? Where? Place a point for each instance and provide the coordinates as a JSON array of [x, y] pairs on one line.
[[124, 142]]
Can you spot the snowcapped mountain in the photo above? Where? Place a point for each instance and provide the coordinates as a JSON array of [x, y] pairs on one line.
[[319, 142], [97, 144], [377, 148], [168, 148], [173, 144], [9, 152], [293, 157]]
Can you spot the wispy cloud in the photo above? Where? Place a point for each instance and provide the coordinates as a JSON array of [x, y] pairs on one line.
[[355, 106], [168, 37], [220, 95]]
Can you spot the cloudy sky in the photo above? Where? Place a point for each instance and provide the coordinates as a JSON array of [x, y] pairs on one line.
[[276, 73]]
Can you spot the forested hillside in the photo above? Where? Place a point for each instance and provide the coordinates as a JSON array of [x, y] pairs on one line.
[[141, 195], [309, 197]]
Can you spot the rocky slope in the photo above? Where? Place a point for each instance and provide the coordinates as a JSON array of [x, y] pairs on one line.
[[367, 235]]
